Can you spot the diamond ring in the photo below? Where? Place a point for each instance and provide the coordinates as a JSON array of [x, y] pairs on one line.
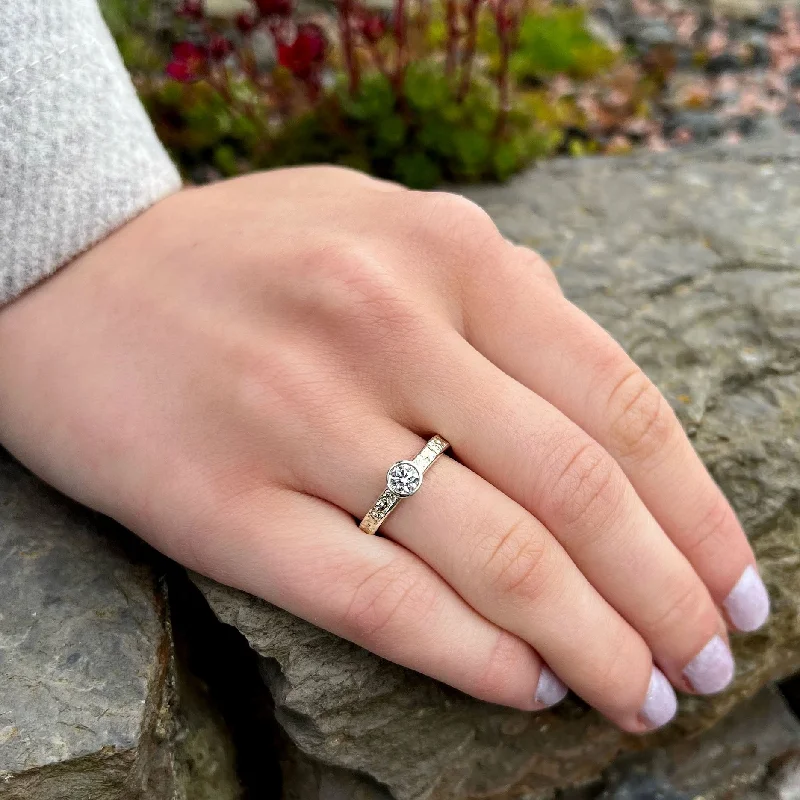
[[402, 480]]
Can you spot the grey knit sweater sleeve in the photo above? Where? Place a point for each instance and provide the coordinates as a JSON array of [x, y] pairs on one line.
[[78, 156]]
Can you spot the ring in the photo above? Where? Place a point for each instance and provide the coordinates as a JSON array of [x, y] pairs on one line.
[[402, 480]]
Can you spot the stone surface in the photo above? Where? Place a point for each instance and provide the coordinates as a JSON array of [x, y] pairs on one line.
[[782, 781], [748, 9], [734, 755], [752, 754], [692, 260], [84, 654], [97, 702]]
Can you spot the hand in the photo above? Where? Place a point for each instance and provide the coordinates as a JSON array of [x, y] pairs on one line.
[[231, 374]]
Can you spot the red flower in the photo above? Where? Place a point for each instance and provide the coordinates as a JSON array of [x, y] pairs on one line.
[[372, 26], [219, 47], [274, 8], [188, 63], [306, 53], [245, 23], [191, 9]]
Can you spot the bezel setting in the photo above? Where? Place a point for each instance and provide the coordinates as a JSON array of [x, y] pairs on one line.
[[403, 478]]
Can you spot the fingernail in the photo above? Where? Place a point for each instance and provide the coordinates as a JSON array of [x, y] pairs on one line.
[[711, 670], [748, 603], [550, 690], [661, 704]]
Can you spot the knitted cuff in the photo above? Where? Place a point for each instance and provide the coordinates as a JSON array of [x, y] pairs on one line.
[[78, 156]]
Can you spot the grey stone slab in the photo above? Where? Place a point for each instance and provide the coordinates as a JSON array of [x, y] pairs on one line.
[[84, 654], [734, 755], [692, 260]]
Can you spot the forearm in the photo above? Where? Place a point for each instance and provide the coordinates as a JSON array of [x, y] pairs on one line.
[[78, 156]]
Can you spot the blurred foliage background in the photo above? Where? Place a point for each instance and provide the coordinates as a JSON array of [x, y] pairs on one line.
[[424, 91]]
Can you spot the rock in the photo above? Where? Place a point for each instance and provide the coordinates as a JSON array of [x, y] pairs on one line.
[[790, 117], [95, 703], [735, 753], [755, 10], [644, 787], [769, 19], [790, 689], [227, 744], [647, 33], [744, 125], [725, 62], [702, 125], [793, 77], [782, 781], [692, 260], [760, 56], [601, 25], [84, 655]]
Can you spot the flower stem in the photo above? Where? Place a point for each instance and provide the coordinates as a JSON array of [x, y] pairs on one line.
[[469, 51], [505, 33], [451, 22], [348, 45], [400, 41]]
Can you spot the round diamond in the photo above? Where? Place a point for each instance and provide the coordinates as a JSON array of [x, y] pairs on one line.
[[403, 478]]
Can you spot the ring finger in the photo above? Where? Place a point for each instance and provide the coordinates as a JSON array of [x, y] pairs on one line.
[[505, 564], [535, 455]]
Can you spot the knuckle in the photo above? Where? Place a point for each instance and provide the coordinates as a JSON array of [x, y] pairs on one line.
[[457, 221], [387, 600], [361, 291], [514, 560], [588, 489], [454, 206], [537, 266], [642, 423], [346, 267], [612, 673], [713, 533], [500, 676], [679, 610]]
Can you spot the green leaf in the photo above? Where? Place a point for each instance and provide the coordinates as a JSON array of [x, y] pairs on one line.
[[505, 160], [558, 41], [375, 99], [391, 131], [225, 160], [472, 148], [417, 170], [426, 88]]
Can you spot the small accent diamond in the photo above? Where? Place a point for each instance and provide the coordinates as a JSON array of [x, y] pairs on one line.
[[403, 478], [384, 503]]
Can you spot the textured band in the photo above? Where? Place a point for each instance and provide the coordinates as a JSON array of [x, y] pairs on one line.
[[402, 480]]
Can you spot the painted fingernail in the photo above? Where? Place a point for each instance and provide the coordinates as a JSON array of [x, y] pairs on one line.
[[711, 670], [550, 690], [748, 603], [661, 704]]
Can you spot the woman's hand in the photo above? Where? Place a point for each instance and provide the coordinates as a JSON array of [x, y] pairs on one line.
[[231, 374]]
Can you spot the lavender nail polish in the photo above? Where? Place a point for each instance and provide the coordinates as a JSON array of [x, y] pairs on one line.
[[748, 603], [550, 690], [660, 704], [711, 670]]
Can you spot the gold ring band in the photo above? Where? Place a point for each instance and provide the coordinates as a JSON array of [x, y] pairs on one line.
[[402, 479]]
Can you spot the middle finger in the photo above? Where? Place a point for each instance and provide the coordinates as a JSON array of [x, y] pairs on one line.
[[541, 459], [503, 562]]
